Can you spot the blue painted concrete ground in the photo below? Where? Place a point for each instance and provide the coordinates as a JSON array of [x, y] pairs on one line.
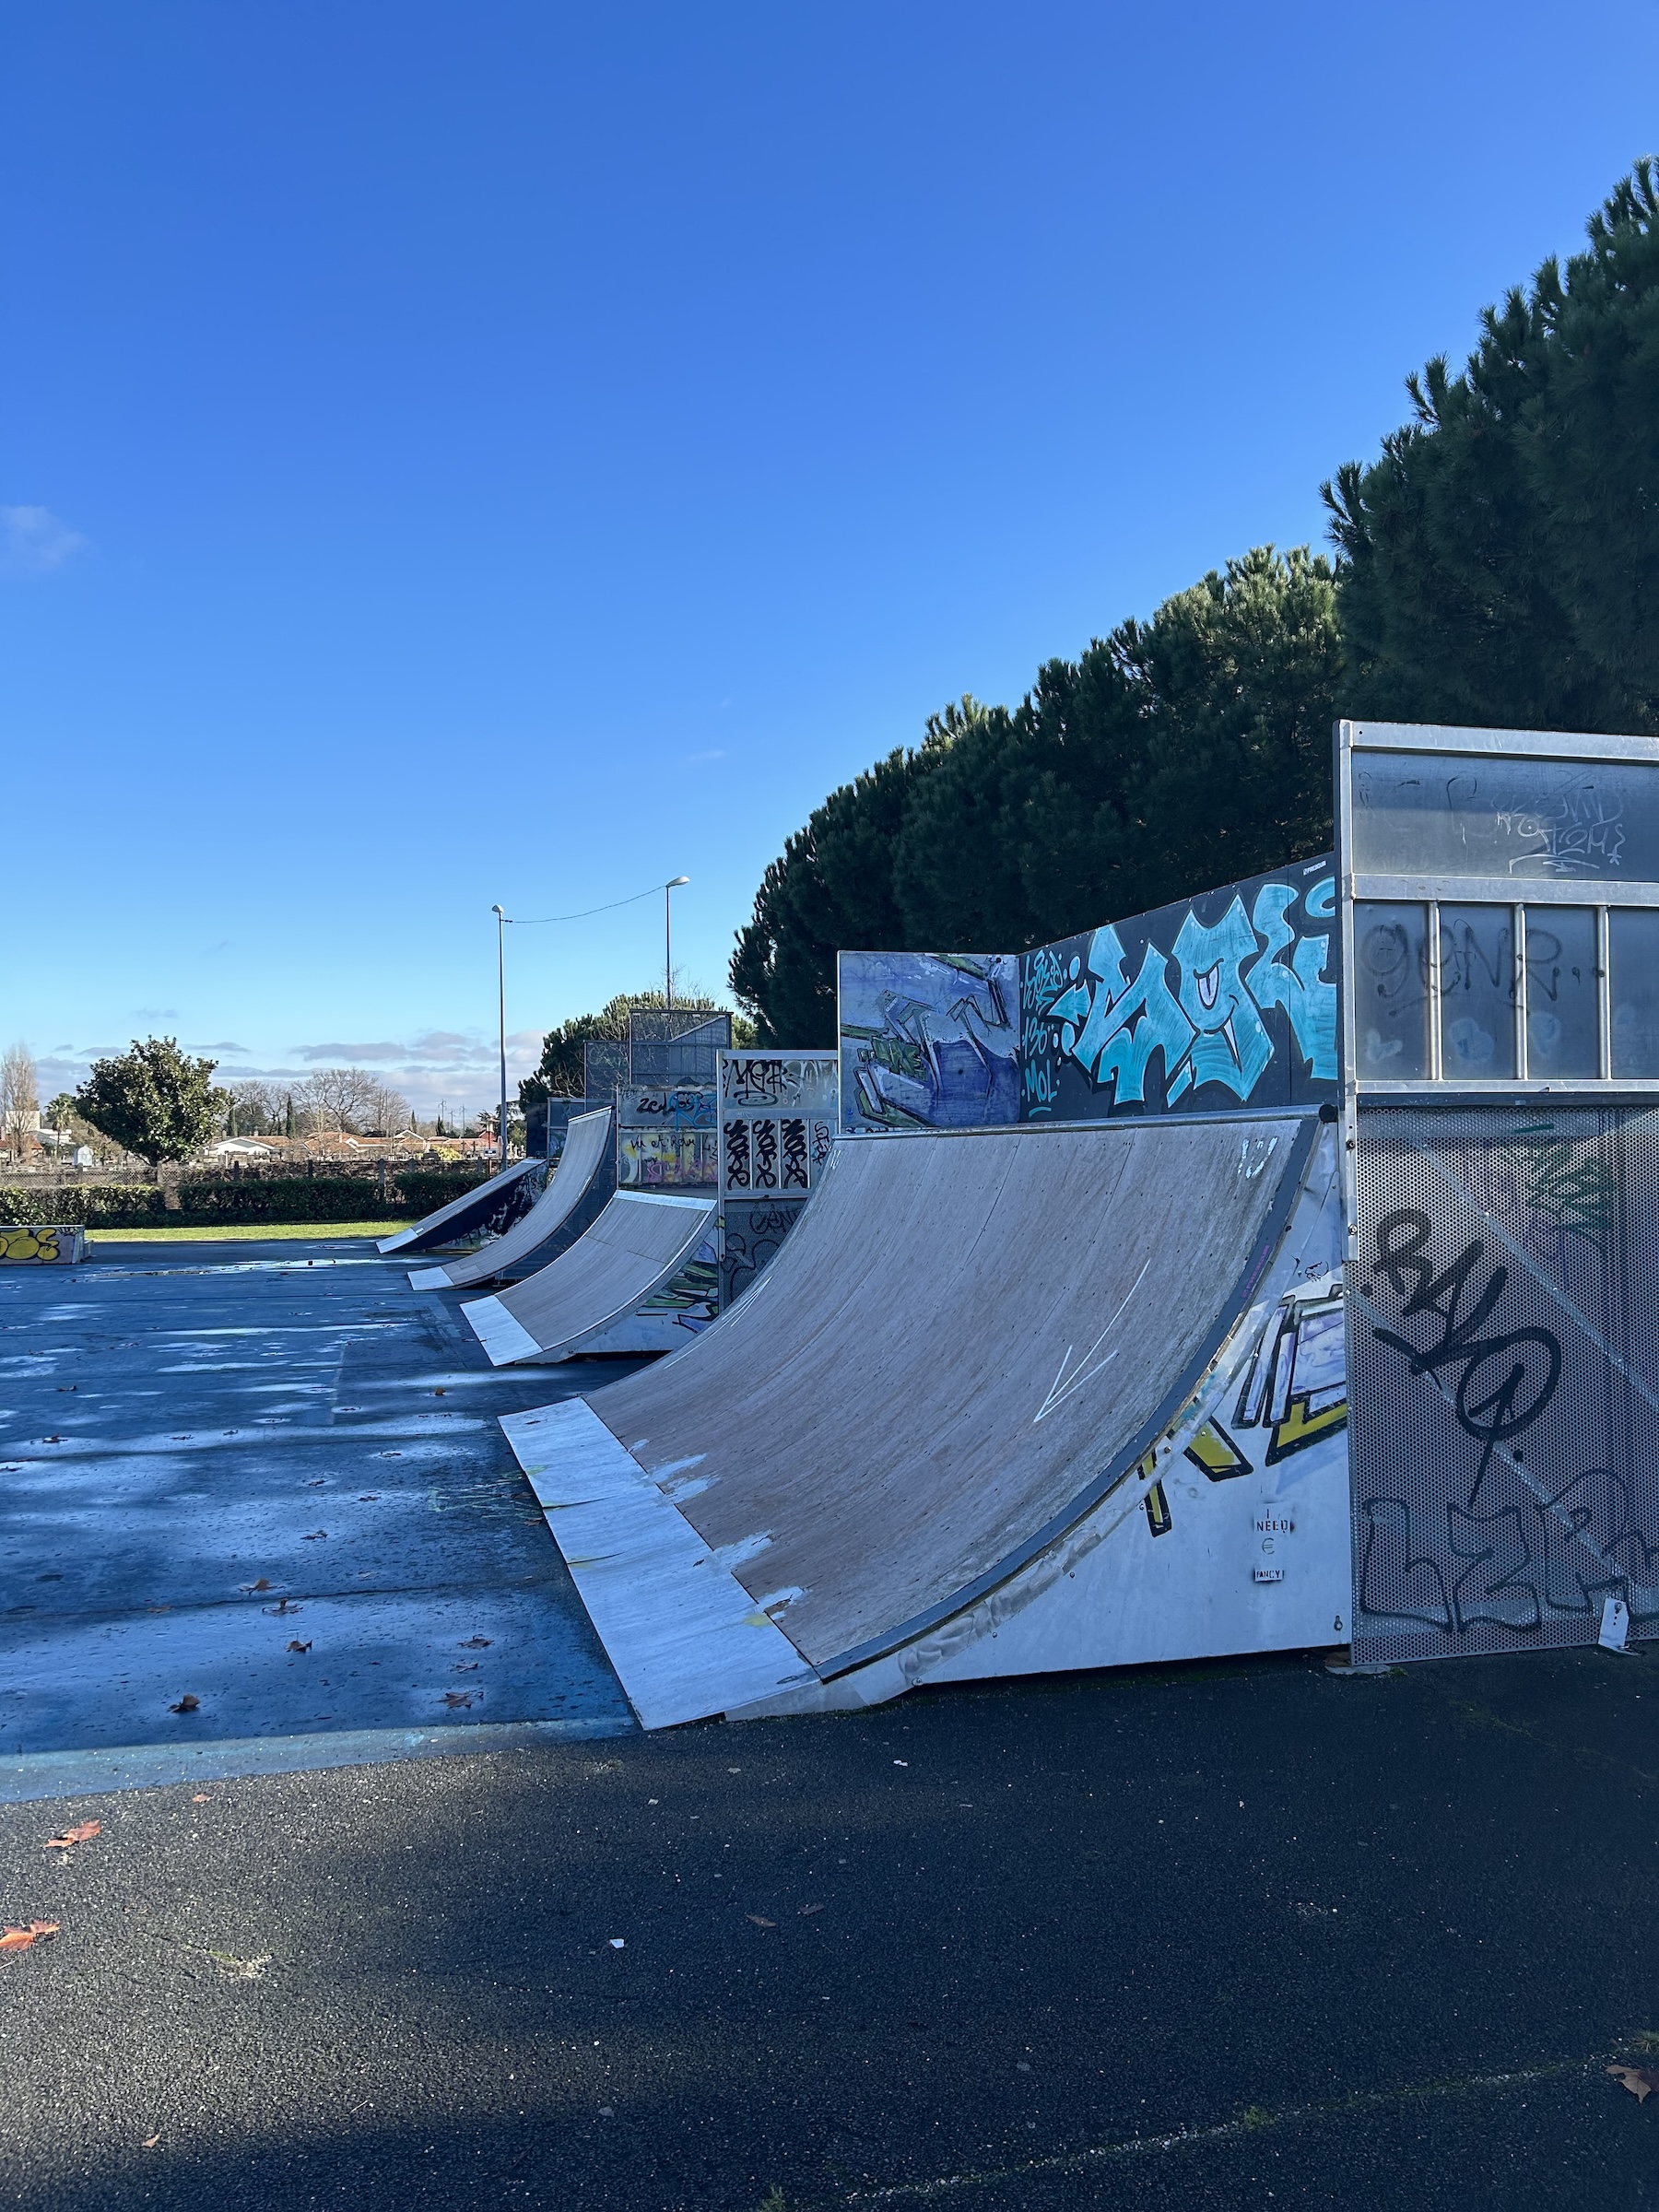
[[270, 1477]]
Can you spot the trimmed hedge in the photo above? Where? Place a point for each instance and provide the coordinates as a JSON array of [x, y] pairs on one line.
[[205, 1200]]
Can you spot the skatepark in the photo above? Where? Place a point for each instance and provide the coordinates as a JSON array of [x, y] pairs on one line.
[[1283, 1426]]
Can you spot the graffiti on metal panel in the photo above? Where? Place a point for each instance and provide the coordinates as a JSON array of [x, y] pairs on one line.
[[807, 1082], [751, 1235], [929, 1040], [675, 1106], [1294, 1391], [691, 1299], [666, 1158], [1512, 1323], [1226, 998], [1565, 1186]]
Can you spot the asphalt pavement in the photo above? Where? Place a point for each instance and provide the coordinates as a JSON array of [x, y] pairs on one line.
[[1218, 1936]]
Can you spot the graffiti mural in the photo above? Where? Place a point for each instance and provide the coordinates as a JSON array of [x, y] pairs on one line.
[[778, 1112], [59, 1244], [1225, 1000], [928, 1039], [667, 1137], [1506, 1377]]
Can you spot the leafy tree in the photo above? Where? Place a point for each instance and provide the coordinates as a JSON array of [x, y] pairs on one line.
[[154, 1101], [1502, 557], [1174, 754]]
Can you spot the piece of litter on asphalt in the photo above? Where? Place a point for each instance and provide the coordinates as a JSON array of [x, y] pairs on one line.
[[607, 2111], [617, 1942], [185, 1704], [314, 1534], [82, 1833], [902, 1762], [261, 1584], [20, 1938], [759, 1923], [150, 2142], [1642, 2081], [734, 1770], [200, 1797], [651, 1800], [808, 1908], [476, 1643], [295, 1644]]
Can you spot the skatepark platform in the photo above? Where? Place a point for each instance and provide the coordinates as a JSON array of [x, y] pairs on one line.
[[462, 1216], [585, 1300], [1007, 1401], [567, 1186]]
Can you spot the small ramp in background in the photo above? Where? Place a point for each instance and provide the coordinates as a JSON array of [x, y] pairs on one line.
[[1007, 1401], [463, 1217], [574, 1170], [582, 1301]]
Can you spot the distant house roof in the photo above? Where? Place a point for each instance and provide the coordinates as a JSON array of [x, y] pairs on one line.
[[238, 1147]]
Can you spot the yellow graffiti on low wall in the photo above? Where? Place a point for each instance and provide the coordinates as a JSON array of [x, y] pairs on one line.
[[38, 1246]]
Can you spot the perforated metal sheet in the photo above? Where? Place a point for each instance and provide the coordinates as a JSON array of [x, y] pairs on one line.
[[1503, 1365]]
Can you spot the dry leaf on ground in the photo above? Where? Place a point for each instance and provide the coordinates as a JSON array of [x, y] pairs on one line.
[[150, 2142], [20, 1938], [761, 1922], [82, 1833], [295, 1644], [457, 1697], [187, 1703], [1642, 2081], [200, 1797], [476, 1643]]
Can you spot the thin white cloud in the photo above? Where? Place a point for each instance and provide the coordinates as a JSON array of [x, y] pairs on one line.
[[718, 754], [349, 1055], [34, 541]]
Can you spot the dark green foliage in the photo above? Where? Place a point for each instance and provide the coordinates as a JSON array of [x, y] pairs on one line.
[[410, 1193], [1501, 558], [1174, 754], [154, 1101]]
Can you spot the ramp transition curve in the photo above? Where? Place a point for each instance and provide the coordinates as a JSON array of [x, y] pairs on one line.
[[640, 1241], [576, 1167], [969, 1342]]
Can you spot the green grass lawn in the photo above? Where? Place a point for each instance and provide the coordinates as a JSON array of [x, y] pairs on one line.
[[244, 1233]]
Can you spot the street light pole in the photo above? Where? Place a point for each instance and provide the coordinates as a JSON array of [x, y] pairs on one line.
[[668, 889], [501, 915]]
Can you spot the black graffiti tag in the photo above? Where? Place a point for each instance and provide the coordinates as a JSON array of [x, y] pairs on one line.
[[1507, 1379]]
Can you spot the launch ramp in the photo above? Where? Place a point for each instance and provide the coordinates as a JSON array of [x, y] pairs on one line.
[[969, 1342], [577, 1166], [640, 1241]]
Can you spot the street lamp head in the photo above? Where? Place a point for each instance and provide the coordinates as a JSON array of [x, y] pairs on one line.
[[675, 881], [500, 910]]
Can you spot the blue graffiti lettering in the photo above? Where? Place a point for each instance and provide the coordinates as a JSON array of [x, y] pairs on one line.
[[1230, 1045], [1308, 1002]]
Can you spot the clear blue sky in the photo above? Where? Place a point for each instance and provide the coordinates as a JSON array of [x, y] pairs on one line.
[[524, 453]]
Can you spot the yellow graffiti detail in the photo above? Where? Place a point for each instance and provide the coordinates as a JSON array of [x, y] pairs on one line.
[[29, 1244], [1213, 1450], [1158, 1510], [1299, 1426]]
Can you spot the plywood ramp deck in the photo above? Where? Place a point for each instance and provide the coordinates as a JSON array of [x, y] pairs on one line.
[[966, 1341], [639, 1242]]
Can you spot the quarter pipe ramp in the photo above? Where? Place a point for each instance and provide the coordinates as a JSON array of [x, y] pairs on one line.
[[585, 1300], [1007, 1400], [577, 1166], [464, 1215]]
